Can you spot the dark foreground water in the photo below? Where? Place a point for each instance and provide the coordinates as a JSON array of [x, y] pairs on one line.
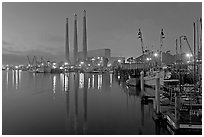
[[73, 103]]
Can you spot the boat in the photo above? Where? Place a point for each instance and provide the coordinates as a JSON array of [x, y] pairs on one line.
[[133, 82], [40, 70]]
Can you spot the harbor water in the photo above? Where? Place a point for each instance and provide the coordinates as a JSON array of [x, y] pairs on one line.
[[73, 103]]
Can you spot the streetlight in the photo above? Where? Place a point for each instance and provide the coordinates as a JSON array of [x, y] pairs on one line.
[[148, 59], [156, 54], [65, 63], [82, 62], [189, 56]]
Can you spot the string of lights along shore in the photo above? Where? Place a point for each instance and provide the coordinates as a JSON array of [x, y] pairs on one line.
[[84, 40]]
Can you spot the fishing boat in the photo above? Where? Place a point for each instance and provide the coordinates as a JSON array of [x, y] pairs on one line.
[[133, 82]]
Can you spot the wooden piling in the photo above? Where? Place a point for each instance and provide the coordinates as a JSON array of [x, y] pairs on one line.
[[142, 82], [157, 94], [177, 108]]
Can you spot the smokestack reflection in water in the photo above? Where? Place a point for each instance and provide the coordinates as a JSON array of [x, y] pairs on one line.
[[76, 88], [85, 104], [67, 93]]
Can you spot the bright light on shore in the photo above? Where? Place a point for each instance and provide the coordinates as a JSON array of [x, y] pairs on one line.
[[155, 54], [66, 63], [189, 55], [82, 62]]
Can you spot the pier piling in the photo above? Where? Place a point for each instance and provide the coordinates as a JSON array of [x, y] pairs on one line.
[[142, 82], [157, 94]]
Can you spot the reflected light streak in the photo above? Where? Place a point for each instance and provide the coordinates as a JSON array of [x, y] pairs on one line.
[[62, 77], [20, 72], [81, 80], [7, 75], [111, 80], [66, 83], [89, 83], [17, 79], [54, 84], [12, 77], [7, 79], [92, 81], [99, 81]]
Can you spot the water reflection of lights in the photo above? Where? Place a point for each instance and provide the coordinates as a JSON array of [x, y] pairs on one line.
[[99, 81], [20, 71], [92, 81], [81, 80], [62, 77], [54, 84], [13, 75], [89, 83], [16, 73], [7, 79], [111, 80], [66, 86]]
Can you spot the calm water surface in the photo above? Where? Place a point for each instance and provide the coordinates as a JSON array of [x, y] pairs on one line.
[[73, 103]]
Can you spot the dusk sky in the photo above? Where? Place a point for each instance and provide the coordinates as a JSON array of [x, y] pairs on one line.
[[39, 28]]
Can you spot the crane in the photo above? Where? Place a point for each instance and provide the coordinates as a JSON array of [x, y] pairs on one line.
[[185, 38], [28, 60]]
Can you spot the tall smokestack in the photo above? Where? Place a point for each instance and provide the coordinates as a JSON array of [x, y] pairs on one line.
[[67, 42], [84, 37], [75, 40]]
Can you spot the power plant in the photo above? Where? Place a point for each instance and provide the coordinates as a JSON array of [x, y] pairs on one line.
[[84, 40]]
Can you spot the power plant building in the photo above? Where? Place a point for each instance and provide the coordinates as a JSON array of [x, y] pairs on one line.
[[106, 53]]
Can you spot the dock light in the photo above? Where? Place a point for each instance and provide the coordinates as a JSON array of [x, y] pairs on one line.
[[98, 64], [119, 60], [61, 67], [93, 59], [82, 62], [54, 63], [72, 67], [42, 64], [109, 65], [66, 63], [89, 64], [189, 57], [156, 54]]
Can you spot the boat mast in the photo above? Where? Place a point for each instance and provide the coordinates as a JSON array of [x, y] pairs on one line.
[[142, 45], [161, 45], [201, 36], [176, 50], [198, 47], [194, 44]]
